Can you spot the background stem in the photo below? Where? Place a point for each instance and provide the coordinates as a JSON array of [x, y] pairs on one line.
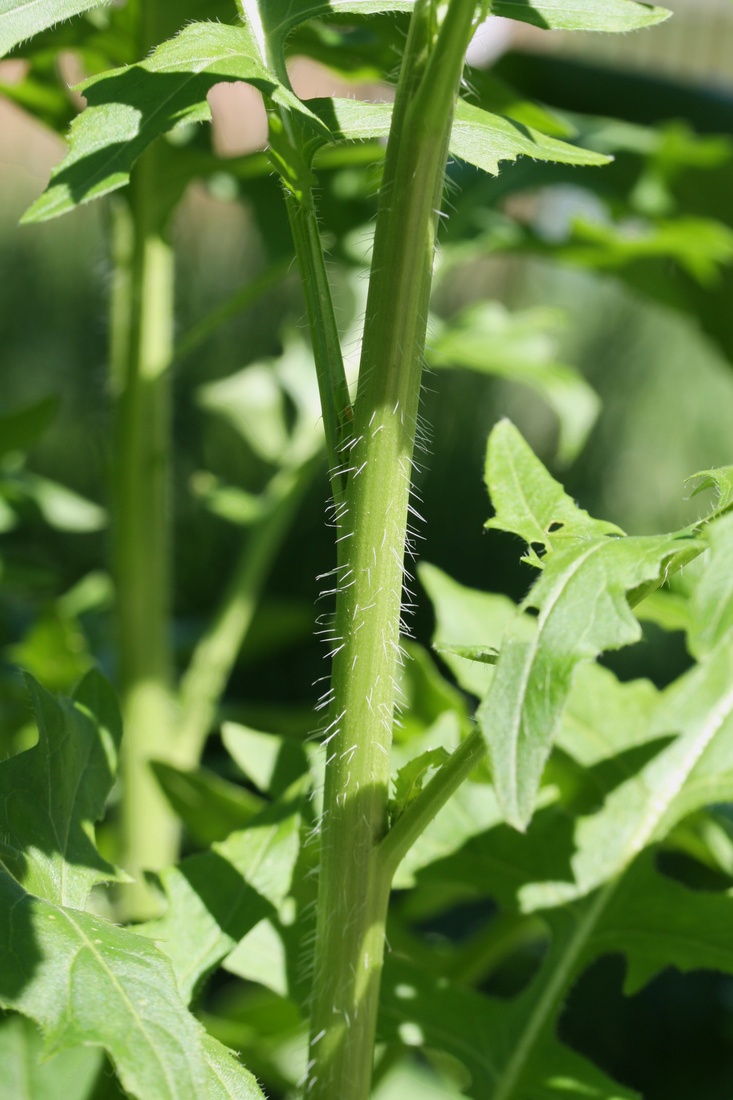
[[141, 351], [141, 526]]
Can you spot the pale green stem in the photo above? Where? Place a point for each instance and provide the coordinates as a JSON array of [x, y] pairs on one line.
[[214, 656], [354, 880], [141, 349], [141, 524]]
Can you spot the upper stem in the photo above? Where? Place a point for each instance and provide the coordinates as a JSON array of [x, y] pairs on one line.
[[354, 880]]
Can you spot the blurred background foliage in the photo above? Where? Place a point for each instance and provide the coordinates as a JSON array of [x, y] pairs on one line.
[[624, 272]]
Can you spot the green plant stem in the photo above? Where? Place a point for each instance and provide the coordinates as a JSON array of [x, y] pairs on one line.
[[141, 349], [354, 879], [418, 815], [232, 307], [332, 385], [555, 985], [141, 531], [214, 656]]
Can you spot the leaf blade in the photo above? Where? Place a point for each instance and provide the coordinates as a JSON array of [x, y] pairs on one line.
[[21, 20]]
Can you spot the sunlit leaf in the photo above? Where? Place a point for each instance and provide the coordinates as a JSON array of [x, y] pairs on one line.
[[412, 777], [466, 619], [710, 614], [529, 502], [215, 898], [478, 137], [51, 795], [581, 15], [580, 598], [85, 980], [271, 762], [129, 108], [61, 507], [21, 19]]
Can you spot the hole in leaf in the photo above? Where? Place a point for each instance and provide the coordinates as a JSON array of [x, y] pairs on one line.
[[556, 525]]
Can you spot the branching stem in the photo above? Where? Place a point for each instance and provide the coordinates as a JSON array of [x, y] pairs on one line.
[[354, 877]]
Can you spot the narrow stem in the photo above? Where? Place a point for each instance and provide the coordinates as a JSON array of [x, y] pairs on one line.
[[418, 815], [214, 656], [332, 385], [558, 973], [354, 879], [232, 307]]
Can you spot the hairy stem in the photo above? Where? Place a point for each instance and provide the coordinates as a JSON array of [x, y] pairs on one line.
[[332, 384], [354, 879]]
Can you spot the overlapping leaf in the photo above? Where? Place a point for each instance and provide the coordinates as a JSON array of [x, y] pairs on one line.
[[51, 795], [693, 771], [128, 108], [217, 897], [278, 17], [466, 618], [86, 981], [83, 980], [582, 610], [21, 19], [478, 137], [581, 600], [711, 612], [209, 806], [627, 908]]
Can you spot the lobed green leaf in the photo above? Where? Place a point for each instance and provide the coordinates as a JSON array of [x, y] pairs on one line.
[[581, 600], [581, 15], [21, 19], [86, 981], [529, 502], [215, 898], [129, 108], [51, 795]]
